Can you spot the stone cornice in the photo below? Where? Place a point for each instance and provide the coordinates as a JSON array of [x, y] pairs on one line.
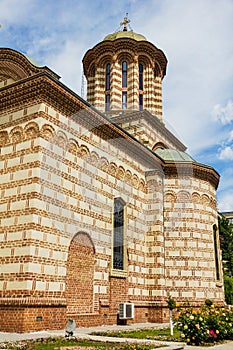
[[112, 48], [197, 170], [38, 88], [16, 65]]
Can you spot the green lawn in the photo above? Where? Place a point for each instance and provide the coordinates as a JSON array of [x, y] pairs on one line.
[[160, 334], [74, 344]]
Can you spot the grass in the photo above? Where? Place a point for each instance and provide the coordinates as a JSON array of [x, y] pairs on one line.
[[155, 334], [73, 344]]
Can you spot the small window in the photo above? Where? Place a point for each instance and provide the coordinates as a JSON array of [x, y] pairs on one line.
[[140, 102], [124, 74], [124, 100], [118, 235], [107, 102], [216, 253], [107, 81], [140, 76]]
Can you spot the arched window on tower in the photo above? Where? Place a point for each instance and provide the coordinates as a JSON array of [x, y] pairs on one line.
[[107, 86], [124, 74], [140, 76], [124, 84], [118, 234], [107, 80], [140, 68]]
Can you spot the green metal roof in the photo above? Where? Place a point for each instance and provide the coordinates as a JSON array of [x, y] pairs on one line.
[[173, 155]]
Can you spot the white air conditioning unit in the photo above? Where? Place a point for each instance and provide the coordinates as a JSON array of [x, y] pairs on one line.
[[126, 311]]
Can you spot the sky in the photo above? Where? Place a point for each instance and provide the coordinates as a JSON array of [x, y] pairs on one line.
[[195, 35]]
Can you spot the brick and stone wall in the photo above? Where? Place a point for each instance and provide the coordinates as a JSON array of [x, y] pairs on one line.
[[54, 185], [189, 216], [62, 164]]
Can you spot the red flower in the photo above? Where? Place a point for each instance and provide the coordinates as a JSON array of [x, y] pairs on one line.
[[211, 332]]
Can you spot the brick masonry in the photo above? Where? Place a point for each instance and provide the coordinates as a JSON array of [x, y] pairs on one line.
[[61, 166], [134, 53]]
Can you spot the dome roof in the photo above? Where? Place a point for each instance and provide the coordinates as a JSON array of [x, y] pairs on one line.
[[125, 34], [173, 155]]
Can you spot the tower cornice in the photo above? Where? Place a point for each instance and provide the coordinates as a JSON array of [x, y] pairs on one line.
[[115, 47]]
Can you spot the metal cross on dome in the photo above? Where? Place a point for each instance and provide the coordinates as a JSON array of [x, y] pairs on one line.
[[125, 22]]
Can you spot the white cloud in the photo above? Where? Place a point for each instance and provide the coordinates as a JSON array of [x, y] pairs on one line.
[[223, 113], [226, 153], [12, 12], [70, 77], [225, 201], [231, 136], [225, 190]]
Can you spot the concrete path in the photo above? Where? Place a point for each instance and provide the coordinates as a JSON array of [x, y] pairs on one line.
[[86, 333], [225, 346]]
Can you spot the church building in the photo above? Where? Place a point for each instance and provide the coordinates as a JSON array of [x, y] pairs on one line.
[[103, 214]]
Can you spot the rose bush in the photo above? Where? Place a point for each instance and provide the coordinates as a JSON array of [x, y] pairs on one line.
[[193, 326], [209, 324]]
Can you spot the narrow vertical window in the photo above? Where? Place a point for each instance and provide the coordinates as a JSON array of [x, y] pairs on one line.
[[107, 102], [118, 239], [140, 76], [124, 74], [124, 100], [107, 77], [216, 253], [140, 102]]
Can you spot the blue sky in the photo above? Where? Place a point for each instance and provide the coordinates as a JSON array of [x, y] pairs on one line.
[[195, 35]]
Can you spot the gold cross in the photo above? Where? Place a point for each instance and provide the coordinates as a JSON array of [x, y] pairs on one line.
[[125, 22]]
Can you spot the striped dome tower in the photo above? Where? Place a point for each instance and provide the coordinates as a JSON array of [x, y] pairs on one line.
[[124, 72]]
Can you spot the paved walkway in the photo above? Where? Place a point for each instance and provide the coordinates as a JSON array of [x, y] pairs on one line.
[[86, 333], [225, 346]]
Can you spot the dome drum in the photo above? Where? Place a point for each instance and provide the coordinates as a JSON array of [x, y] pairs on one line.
[[138, 87]]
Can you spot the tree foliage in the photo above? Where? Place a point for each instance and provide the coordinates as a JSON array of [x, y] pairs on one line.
[[228, 286], [226, 239]]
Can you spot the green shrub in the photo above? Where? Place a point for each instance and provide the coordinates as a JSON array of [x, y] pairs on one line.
[[208, 302], [228, 287], [171, 303], [209, 324], [193, 327]]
